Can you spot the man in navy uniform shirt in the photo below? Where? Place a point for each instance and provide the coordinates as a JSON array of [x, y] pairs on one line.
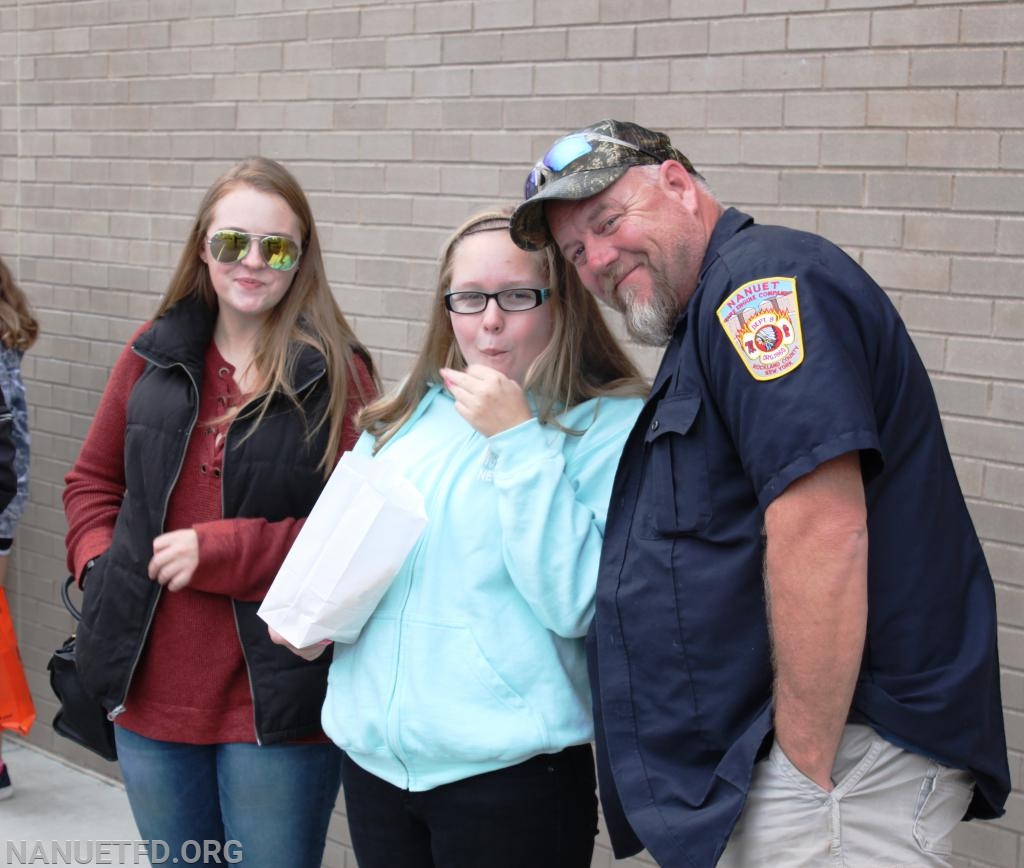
[[794, 648]]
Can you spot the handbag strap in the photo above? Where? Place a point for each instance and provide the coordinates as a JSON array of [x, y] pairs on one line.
[[65, 597]]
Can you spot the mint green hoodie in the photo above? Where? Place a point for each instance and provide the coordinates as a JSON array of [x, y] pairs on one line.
[[474, 659]]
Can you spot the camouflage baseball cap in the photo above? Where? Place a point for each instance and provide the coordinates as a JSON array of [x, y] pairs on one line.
[[583, 164]]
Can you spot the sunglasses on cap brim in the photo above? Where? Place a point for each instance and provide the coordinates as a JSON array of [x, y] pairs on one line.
[[565, 151], [278, 251]]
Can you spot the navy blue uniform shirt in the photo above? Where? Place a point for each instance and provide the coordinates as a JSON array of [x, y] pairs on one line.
[[787, 355]]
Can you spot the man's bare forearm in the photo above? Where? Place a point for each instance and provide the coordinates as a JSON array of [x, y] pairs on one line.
[[816, 584]]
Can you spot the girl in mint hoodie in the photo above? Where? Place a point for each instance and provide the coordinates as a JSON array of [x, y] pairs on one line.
[[463, 707]]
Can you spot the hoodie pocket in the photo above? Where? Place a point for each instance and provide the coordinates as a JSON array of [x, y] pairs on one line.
[[453, 705]]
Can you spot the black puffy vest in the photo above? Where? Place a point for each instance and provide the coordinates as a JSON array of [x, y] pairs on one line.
[[270, 474]]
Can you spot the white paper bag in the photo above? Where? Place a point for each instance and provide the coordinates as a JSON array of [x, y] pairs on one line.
[[363, 525]]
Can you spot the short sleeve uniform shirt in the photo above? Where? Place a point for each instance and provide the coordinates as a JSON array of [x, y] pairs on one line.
[[788, 355]]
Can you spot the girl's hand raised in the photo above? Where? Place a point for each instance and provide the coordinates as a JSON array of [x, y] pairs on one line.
[[487, 399]]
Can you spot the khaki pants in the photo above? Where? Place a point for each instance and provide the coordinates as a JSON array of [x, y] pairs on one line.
[[889, 809]]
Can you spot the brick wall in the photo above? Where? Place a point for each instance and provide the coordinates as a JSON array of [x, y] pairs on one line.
[[895, 128]]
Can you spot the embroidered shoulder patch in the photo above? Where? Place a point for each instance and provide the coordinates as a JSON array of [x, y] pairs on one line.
[[762, 320]]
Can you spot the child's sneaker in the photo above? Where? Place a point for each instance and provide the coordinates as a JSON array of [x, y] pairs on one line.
[[6, 790]]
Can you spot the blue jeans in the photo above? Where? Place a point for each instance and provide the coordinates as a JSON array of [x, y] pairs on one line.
[[541, 813], [274, 800]]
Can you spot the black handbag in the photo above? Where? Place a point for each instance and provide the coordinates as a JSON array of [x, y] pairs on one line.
[[80, 718]]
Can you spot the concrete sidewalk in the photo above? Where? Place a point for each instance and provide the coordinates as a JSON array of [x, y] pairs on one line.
[[57, 806]]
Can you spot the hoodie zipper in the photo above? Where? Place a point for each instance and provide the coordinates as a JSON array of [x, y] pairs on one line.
[[391, 722], [391, 725]]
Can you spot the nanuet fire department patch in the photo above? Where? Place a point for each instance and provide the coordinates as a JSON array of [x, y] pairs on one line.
[[762, 320]]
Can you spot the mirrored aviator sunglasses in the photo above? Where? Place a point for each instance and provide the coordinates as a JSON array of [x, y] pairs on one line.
[[568, 149], [278, 251]]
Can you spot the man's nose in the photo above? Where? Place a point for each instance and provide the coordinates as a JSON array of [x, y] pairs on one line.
[[600, 255]]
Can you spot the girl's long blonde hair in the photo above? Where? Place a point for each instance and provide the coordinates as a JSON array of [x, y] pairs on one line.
[[307, 314], [582, 360], [18, 326]]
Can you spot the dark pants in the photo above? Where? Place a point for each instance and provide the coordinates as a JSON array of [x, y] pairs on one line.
[[541, 813]]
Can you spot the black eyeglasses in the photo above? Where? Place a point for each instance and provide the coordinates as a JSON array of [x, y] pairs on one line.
[[279, 251], [570, 148], [509, 300]]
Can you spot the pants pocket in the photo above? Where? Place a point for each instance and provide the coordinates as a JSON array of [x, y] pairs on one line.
[[942, 803], [777, 756], [858, 752]]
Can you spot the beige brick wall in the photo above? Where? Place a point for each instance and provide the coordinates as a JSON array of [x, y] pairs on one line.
[[895, 127]]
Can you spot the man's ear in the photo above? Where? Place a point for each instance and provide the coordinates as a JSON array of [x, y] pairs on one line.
[[677, 181]]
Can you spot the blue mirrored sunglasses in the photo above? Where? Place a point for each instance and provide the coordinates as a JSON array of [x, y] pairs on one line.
[[568, 149]]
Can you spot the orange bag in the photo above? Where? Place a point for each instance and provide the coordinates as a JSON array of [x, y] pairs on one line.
[[17, 711]]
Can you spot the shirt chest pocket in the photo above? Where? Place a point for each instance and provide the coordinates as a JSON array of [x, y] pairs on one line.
[[675, 499]]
